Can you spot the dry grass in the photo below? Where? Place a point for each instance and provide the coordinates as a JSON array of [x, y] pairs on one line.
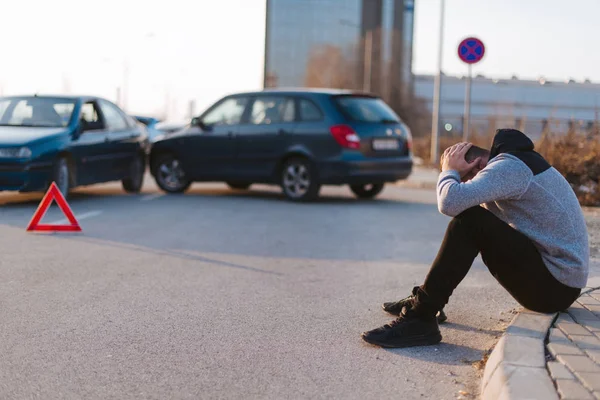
[[422, 145], [577, 157]]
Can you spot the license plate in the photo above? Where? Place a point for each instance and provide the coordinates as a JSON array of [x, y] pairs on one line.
[[385, 144]]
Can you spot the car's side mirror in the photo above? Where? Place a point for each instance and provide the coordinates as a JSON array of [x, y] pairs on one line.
[[197, 121]]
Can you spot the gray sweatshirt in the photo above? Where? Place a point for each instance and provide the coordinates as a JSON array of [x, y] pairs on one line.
[[540, 204]]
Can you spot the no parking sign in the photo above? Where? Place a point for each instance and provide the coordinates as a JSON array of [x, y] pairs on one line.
[[471, 50]]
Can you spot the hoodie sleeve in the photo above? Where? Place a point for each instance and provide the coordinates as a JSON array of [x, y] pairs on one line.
[[503, 178]]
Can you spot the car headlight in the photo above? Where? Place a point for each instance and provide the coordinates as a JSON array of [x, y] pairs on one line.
[[15, 152]]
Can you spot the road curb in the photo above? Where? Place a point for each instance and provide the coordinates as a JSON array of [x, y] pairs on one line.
[[516, 368]]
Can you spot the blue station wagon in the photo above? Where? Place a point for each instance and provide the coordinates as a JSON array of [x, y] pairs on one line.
[[298, 139], [73, 141]]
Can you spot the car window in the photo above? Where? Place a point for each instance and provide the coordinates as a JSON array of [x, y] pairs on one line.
[[366, 109], [228, 112], [90, 117], [89, 113], [65, 110], [21, 112], [289, 111], [36, 111], [272, 110], [3, 107], [115, 121], [309, 111]]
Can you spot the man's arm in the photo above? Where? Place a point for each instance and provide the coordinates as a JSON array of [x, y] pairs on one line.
[[503, 178]]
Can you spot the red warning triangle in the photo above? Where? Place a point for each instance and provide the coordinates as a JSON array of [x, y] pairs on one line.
[[53, 194]]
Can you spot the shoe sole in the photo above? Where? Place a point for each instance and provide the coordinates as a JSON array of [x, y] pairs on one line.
[[426, 340], [441, 318]]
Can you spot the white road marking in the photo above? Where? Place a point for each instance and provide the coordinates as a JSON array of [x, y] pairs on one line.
[[152, 196], [77, 217]]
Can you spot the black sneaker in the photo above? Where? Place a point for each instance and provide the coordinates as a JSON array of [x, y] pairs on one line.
[[405, 331], [395, 308]]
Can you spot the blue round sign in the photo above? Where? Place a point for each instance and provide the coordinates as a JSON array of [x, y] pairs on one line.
[[471, 50]]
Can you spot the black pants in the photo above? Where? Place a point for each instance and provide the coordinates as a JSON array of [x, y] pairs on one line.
[[510, 256]]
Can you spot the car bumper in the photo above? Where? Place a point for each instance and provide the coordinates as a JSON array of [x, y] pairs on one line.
[[25, 177], [365, 171]]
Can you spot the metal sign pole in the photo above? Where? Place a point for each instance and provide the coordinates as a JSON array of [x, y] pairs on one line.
[[467, 123], [367, 61], [435, 133]]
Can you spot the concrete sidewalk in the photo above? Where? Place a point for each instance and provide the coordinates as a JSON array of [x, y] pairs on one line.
[[421, 178], [574, 349], [549, 356]]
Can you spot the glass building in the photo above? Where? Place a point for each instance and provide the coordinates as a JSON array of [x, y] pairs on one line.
[[349, 44]]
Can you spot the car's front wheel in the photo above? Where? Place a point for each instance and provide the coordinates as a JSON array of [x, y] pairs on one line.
[[169, 174], [367, 191], [135, 180], [299, 180], [61, 176]]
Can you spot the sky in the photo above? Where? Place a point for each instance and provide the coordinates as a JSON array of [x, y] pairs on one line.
[[164, 54]]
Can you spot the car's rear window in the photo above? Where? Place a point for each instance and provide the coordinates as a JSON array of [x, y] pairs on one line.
[[366, 109]]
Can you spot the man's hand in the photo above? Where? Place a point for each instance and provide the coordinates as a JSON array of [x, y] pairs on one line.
[[454, 159]]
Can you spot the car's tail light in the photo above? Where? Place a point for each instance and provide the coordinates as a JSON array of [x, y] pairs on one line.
[[345, 136], [408, 136]]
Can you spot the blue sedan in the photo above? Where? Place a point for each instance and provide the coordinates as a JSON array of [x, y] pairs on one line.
[[73, 141]]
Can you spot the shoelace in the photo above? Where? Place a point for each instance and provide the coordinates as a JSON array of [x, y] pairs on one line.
[[396, 322], [406, 299]]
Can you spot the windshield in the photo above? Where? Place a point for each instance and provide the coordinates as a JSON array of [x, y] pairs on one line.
[[36, 111], [366, 109]]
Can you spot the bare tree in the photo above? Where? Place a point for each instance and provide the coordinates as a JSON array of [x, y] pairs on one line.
[[329, 67]]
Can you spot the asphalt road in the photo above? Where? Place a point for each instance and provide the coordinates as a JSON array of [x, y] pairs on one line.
[[230, 294]]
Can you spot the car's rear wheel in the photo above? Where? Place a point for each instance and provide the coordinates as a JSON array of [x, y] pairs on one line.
[[299, 180], [367, 191], [169, 174], [239, 185], [61, 176], [134, 182]]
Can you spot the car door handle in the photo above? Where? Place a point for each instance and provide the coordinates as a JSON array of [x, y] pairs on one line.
[[230, 134], [281, 132]]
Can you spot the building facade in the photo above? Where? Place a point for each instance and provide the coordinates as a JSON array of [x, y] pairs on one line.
[[348, 44], [532, 106]]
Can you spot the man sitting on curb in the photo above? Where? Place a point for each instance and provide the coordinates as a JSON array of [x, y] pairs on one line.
[[520, 214]]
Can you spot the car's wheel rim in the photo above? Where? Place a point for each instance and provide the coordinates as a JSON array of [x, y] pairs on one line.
[[62, 180], [369, 188], [171, 174], [296, 180]]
